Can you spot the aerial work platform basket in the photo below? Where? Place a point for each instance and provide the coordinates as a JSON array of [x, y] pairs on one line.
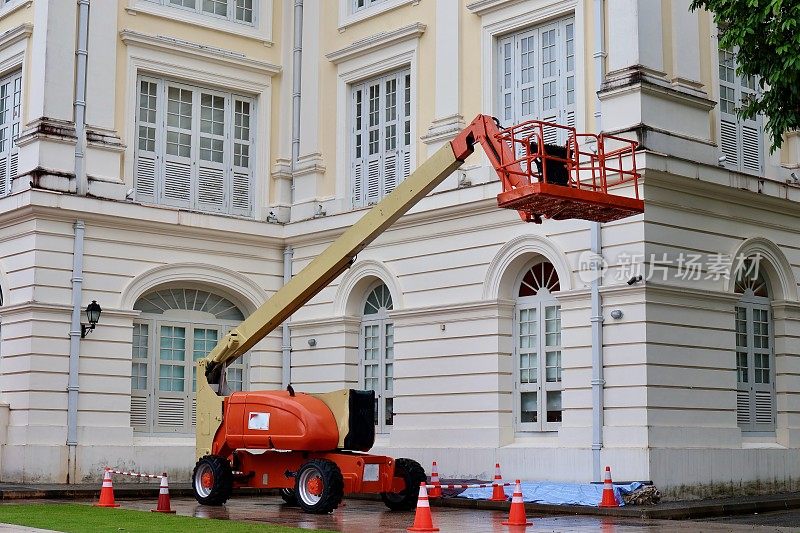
[[589, 177]]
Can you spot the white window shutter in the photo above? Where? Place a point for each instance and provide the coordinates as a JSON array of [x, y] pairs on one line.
[[506, 77], [729, 140], [526, 71], [13, 168], [214, 127], [359, 145], [241, 203], [743, 418], [390, 171], [5, 180], [145, 177], [373, 179], [550, 62], [177, 183]]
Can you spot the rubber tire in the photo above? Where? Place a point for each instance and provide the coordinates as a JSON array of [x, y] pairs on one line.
[[413, 474], [332, 486], [223, 480], [289, 496]]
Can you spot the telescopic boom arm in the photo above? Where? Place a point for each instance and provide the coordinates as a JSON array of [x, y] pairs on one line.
[[330, 264]]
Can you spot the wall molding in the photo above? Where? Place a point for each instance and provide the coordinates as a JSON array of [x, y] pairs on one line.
[[376, 42]]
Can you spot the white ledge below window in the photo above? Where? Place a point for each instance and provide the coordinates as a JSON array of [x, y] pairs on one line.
[[376, 42]]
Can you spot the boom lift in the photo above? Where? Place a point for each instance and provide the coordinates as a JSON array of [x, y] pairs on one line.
[[313, 444]]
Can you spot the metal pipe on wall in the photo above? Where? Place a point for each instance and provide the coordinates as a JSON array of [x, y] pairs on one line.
[[297, 66], [596, 244], [81, 53], [286, 336], [74, 351]]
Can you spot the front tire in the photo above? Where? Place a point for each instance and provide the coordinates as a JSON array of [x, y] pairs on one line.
[[212, 480], [319, 486], [413, 474]]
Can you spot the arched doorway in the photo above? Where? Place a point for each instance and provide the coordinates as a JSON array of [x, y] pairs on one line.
[[177, 326], [377, 353], [537, 349], [755, 353]]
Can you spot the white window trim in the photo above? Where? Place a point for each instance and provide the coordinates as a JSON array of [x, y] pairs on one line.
[[504, 19], [348, 17], [261, 30], [156, 57], [739, 167], [357, 67], [750, 303], [13, 5]]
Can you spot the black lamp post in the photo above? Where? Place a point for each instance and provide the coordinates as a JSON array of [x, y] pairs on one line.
[[93, 311]]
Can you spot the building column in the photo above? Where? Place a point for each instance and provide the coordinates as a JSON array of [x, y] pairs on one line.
[[47, 141], [104, 148], [653, 87]]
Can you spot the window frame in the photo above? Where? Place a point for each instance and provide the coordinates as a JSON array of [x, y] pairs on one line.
[[154, 188], [383, 321], [230, 8], [729, 124], [563, 112], [751, 427], [9, 156], [540, 302], [360, 184]]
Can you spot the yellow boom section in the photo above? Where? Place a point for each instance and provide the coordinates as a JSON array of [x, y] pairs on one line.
[[308, 282]]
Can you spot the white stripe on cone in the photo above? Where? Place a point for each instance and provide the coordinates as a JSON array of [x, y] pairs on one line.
[[422, 500]]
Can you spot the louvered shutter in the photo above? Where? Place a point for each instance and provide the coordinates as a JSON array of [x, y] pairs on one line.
[[763, 399], [506, 79], [149, 143], [211, 182], [4, 175], [170, 373], [406, 120], [243, 157], [359, 145], [751, 130], [10, 114], [549, 66], [392, 119], [568, 72], [140, 376], [374, 153], [180, 132]]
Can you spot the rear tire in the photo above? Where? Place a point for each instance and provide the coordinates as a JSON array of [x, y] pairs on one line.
[[289, 497], [212, 480], [319, 486], [413, 474]]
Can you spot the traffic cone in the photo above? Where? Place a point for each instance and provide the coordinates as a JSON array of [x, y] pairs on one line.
[[498, 494], [106, 492], [609, 500], [436, 490], [163, 497], [423, 521], [516, 515]]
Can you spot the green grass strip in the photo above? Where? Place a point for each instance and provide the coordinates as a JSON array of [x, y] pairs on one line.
[[76, 518]]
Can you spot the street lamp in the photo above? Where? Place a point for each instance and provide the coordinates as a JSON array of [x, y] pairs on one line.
[[93, 311]]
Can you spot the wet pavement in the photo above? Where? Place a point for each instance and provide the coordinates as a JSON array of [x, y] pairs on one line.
[[364, 516]]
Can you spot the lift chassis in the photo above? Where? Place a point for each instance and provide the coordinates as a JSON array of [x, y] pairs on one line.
[[313, 446]]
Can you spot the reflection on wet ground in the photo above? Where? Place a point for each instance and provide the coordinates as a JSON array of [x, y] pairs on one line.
[[362, 516]]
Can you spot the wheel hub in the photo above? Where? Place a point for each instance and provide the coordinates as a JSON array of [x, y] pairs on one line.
[[314, 486], [207, 480]]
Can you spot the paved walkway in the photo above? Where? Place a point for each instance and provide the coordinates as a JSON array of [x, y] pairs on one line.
[[11, 528]]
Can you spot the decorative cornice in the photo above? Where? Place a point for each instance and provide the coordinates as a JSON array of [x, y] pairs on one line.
[[482, 7], [347, 320], [463, 308], [642, 79], [15, 35], [198, 51], [375, 42]]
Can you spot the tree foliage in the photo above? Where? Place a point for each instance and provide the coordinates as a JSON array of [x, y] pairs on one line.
[[767, 35]]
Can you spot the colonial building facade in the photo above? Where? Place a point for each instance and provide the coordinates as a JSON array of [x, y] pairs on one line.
[[176, 160]]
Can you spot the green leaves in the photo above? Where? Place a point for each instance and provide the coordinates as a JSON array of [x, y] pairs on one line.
[[767, 36]]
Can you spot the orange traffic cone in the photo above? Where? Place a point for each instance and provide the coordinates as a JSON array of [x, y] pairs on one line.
[[609, 500], [498, 494], [163, 497], [516, 515], [436, 490], [107, 492], [423, 521]]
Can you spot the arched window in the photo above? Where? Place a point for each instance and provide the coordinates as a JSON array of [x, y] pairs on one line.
[[175, 329], [537, 350], [377, 353], [755, 354]]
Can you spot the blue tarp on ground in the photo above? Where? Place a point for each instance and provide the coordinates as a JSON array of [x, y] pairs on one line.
[[556, 493]]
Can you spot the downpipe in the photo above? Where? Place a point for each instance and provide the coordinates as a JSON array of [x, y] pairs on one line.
[[596, 245], [286, 335], [74, 351], [297, 66], [81, 53]]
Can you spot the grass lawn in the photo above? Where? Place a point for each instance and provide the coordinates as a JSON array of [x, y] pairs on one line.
[[76, 518]]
